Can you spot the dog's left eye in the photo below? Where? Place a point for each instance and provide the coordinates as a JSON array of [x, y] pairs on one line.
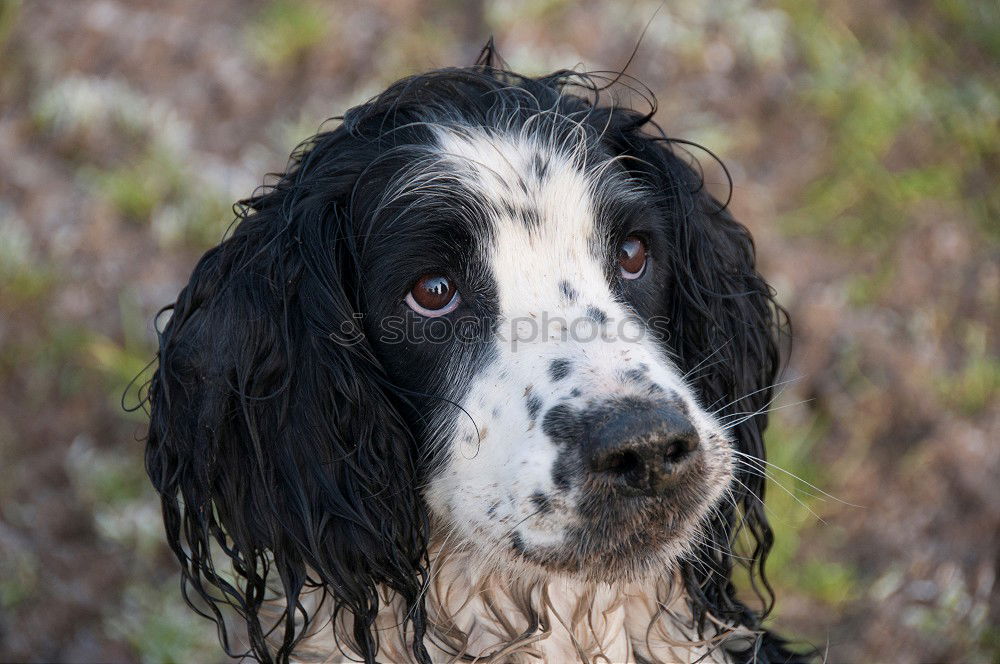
[[632, 257], [433, 295]]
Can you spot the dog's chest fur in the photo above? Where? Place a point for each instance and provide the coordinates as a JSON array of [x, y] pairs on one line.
[[487, 615]]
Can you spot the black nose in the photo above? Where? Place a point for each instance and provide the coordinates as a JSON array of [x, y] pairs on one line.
[[640, 450]]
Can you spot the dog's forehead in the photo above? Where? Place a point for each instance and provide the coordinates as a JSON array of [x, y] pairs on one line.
[[543, 200]]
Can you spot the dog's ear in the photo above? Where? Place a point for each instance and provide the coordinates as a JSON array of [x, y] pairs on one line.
[[272, 441], [724, 328]]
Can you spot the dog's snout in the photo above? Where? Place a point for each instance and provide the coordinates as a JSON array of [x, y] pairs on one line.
[[640, 451]]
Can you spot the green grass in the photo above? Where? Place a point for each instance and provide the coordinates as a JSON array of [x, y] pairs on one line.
[[124, 364], [154, 190], [876, 102], [976, 383], [285, 31], [19, 577], [909, 125], [135, 190], [795, 509], [163, 630], [9, 12], [24, 276]]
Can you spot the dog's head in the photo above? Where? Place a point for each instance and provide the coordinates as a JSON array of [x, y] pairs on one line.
[[484, 309]]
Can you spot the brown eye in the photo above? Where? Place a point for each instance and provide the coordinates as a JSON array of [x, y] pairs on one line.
[[433, 295], [632, 257]]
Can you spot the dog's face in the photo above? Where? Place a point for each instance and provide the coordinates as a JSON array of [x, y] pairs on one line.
[[485, 313], [523, 291]]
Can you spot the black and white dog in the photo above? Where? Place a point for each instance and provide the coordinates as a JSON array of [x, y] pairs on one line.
[[482, 377]]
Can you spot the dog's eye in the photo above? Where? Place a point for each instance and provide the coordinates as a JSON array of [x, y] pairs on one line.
[[632, 257], [433, 295]]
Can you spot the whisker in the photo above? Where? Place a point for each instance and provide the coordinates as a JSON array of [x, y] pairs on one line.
[[783, 488], [765, 409], [753, 459], [707, 357], [763, 389]]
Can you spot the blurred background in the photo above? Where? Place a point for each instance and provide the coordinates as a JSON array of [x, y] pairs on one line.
[[864, 141]]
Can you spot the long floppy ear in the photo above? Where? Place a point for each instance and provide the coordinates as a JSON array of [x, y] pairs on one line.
[[725, 328], [272, 441]]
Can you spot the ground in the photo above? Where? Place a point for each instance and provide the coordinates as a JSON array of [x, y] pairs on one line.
[[861, 136]]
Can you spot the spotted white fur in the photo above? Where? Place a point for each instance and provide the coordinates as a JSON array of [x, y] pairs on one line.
[[499, 456]]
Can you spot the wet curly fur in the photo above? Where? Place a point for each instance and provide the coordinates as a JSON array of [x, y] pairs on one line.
[[304, 478]]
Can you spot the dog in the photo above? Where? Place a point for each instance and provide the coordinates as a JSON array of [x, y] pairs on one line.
[[483, 376]]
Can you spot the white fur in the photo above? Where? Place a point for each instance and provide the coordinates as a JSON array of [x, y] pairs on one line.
[[500, 462], [581, 622]]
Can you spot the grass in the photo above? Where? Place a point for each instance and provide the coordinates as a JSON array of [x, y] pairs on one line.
[[23, 273], [162, 630], [19, 577], [123, 365], [877, 102], [9, 10], [976, 383], [152, 179], [907, 128], [153, 190], [795, 508], [285, 31], [137, 190]]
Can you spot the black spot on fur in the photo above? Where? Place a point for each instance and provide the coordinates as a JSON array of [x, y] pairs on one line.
[[559, 369], [530, 216], [541, 502], [492, 511], [634, 376], [568, 291], [534, 404], [597, 315], [517, 542], [562, 424], [561, 471], [507, 209], [575, 392], [540, 167]]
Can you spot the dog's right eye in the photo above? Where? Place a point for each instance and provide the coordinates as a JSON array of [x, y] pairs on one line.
[[433, 295]]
